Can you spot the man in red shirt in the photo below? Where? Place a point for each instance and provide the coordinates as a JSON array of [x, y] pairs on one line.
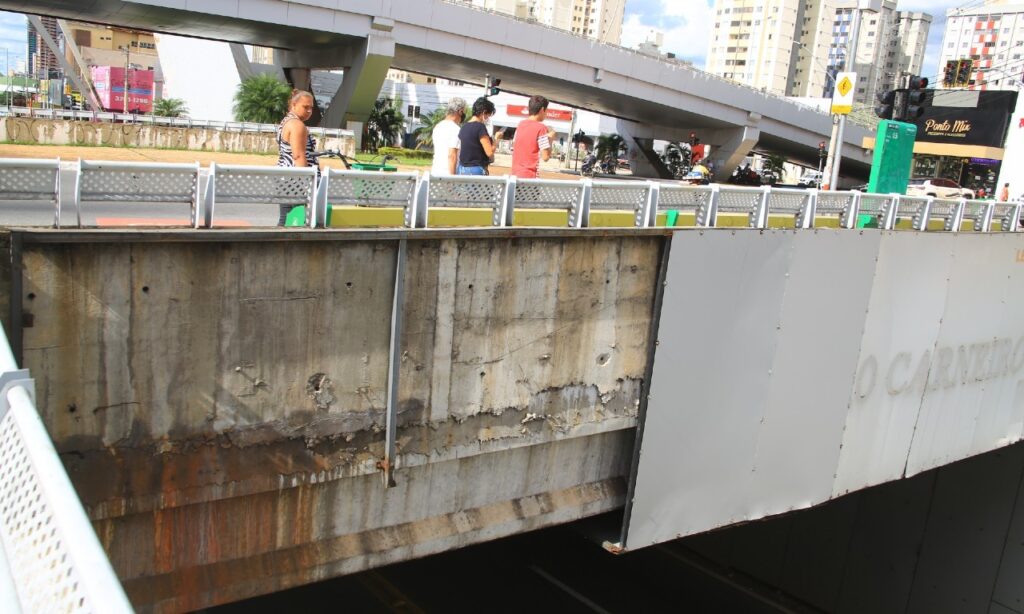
[[532, 141]]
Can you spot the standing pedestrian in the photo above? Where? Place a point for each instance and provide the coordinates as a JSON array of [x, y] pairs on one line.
[[476, 146], [532, 142], [295, 146], [446, 138], [1004, 194]]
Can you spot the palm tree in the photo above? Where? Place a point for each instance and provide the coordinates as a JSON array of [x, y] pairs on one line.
[[170, 107], [610, 144], [384, 125], [261, 99], [775, 164], [425, 133]]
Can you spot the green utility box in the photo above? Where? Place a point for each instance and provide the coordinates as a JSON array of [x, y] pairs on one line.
[[894, 157], [892, 162]]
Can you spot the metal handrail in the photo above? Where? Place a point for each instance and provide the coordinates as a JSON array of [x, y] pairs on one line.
[[709, 204], [50, 557]]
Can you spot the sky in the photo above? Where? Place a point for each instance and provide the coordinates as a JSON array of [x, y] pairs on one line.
[[687, 24], [12, 38]]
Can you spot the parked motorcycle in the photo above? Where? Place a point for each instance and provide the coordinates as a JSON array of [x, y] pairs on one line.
[[589, 166]]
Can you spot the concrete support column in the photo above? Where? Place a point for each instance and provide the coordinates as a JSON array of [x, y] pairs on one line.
[[729, 147], [247, 69], [363, 78]]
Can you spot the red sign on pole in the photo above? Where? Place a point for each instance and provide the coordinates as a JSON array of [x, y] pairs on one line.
[[520, 110]]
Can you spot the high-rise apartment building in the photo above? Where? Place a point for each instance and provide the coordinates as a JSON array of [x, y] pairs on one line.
[[41, 60], [890, 43], [779, 46], [597, 19], [992, 37]]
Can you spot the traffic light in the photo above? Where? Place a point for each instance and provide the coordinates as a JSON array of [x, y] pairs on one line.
[[917, 98], [963, 72], [493, 84], [886, 101], [950, 73], [822, 152]]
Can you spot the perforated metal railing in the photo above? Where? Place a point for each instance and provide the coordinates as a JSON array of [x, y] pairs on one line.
[[137, 182], [546, 194], [469, 192], [362, 189], [31, 180], [418, 194], [260, 185], [50, 557]]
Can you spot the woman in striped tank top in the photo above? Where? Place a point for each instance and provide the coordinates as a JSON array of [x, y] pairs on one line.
[[295, 146]]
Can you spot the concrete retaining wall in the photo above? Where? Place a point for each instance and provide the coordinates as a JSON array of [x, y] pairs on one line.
[[220, 405], [36, 131]]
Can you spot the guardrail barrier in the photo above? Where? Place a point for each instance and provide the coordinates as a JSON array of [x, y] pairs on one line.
[[349, 198]]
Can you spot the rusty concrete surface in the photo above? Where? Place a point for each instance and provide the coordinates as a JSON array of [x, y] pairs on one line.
[[220, 406]]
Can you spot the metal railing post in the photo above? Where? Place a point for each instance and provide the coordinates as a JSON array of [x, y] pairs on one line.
[[504, 215], [986, 217], [920, 221], [956, 220], [759, 219], [888, 221], [806, 216], [579, 215], [649, 216], [707, 214], [422, 202]]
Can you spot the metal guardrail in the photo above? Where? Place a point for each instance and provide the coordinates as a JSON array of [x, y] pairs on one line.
[[50, 557], [418, 194], [156, 120]]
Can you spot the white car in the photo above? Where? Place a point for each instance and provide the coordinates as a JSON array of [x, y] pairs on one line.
[[937, 187]]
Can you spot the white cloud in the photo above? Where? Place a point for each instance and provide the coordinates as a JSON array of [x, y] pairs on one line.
[[686, 26]]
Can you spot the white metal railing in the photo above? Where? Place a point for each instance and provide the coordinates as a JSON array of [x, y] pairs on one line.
[[416, 194], [50, 557], [156, 120]]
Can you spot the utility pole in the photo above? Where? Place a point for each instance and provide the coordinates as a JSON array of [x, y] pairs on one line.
[[127, 55], [835, 150]]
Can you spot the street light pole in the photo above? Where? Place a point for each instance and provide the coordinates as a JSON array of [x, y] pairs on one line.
[[835, 150], [127, 55]]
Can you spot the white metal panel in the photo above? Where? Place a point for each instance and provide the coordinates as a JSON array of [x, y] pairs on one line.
[[827, 288], [711, 371], [974, 398], [906, 308]]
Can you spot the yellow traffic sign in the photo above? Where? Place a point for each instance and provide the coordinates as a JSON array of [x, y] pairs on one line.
[[842, 98], [844, 86]]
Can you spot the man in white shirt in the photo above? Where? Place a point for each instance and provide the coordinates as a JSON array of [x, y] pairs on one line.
[[446, 138]]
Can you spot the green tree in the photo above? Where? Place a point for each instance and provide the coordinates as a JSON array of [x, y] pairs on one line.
[[170, 107], [261, 99], [610, 144], [425, 133], [775, 163], [384, 125]]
